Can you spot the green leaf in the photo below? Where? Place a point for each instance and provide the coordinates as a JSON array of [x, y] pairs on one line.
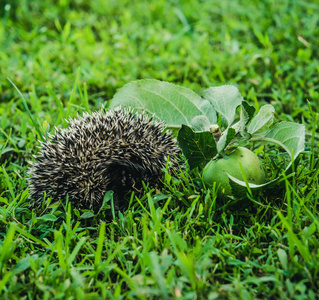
[[259, 280], [289, 135], [4, 200], [261, 122], [235, 262], [48, 217], [225, 139], [198, 147], [24, 263], [107, 199], [246, 114], [282, 255], [200, 123], [248, 110], [87, 215], [225, 99], [175, 105]]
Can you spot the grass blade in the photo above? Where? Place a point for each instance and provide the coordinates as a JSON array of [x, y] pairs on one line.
[[35, 124], [98, 253]]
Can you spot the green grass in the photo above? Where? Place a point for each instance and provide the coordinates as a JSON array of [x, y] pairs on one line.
[[180, 242]]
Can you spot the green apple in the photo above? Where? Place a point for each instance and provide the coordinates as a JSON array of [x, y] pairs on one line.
[[215, 170]]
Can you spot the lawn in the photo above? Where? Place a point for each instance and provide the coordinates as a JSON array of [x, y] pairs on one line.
[[61, 59]]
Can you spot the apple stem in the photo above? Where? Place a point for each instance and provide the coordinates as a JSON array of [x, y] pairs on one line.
[[215, 130]]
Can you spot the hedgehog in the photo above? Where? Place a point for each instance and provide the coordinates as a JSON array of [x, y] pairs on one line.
[[105, 150]]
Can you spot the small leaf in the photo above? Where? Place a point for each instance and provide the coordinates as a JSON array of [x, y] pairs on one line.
[[246, 114], [24, 263], [48, 217], [200, 123], [76, 212], [4, 200], [21, 143], [249, 110], [198, 147], [225, 139], [87, 215], [259, 280], [261, 122], [225, 99], [309, 231], [235, 262], [108, 197], [173, 104], [282, 255], [5, 150]]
